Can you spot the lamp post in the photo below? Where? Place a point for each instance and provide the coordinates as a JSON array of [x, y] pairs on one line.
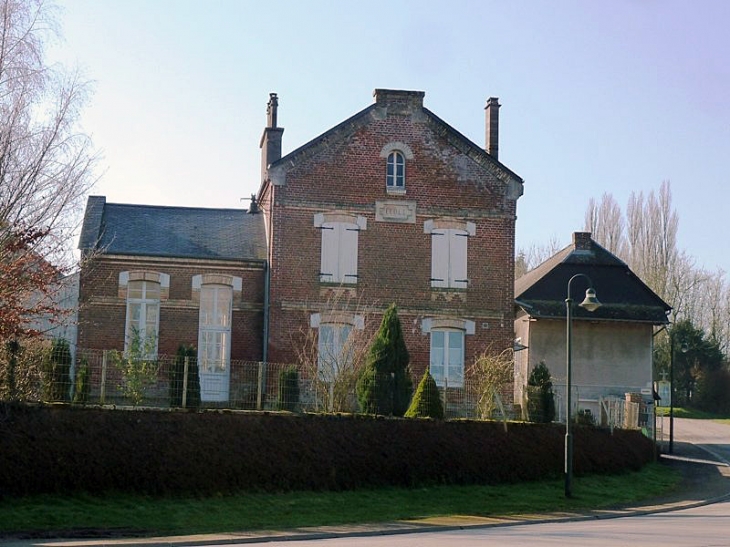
[[671, 388], [591, 303]]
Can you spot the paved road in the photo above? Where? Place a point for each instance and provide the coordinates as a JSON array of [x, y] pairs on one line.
[[707, 526], [712, 436]]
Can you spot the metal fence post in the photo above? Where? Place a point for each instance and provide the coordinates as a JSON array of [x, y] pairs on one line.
[[185, 382], [260, 387], [102, 389]]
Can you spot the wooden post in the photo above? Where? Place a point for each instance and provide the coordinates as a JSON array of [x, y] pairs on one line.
[[102, 390], [185, 383]]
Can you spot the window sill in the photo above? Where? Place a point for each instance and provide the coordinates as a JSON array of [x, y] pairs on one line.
[[395, 191]]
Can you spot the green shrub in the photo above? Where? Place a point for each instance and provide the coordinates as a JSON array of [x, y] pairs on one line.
[[385, 385], [426, 402], [540, 398], [288, 389], [177, 375], [57, 372], [82, 387]]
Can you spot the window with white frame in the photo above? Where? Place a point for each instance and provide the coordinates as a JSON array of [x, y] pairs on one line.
[[143, 318], [335, 342], [395, 174], [447, 357], [333, 351], [214, 335], [447, 348], [340, 233]]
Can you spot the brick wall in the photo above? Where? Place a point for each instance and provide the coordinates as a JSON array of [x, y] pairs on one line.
[[394, 259], [103, 309]]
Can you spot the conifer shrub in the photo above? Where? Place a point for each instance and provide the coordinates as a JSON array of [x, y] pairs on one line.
[[177, 374], [82, 388], [288, 389], [57, 373], [385, 385], [540, 398], [426, 401]]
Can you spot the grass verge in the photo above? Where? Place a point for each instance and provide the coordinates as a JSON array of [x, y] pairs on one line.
[[693, 413], [137, 515]]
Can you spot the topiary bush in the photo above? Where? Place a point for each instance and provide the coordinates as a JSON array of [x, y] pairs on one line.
[[426, 401], [288, 389], [177, 374]]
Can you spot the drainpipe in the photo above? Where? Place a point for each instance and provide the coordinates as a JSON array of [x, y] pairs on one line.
[[267, 277]]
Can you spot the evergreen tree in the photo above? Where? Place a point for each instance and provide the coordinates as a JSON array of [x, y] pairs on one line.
[[427, 400], [540, 399], [385, 386], [57, 377], [177, 374]]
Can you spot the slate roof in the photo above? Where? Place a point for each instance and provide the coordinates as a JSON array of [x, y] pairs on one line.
[[174, 232], [541, 293]]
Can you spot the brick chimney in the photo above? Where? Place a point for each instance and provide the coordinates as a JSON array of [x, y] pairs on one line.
[[582, 241], [492, 129], [271, 139], [413, 99]]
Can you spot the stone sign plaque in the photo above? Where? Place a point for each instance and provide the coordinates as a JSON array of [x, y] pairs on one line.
[[395, 211]]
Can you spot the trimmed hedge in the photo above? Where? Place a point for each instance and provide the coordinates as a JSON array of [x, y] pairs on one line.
[[69, 449]]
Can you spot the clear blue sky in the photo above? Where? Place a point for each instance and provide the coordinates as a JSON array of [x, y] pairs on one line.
[[597, 96]]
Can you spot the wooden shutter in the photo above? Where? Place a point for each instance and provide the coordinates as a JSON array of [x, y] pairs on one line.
[[348, 253], [440, 258], [328, 269], [457, 258]]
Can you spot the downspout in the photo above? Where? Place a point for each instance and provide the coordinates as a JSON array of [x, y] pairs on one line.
[[265, 355]]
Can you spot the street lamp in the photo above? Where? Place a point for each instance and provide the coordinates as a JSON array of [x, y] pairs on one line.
[[684, 349], [591, 303]]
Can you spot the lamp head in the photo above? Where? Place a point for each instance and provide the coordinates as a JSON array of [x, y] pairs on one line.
[[590, 302]]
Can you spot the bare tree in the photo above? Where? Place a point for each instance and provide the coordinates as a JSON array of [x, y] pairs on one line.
[[534, 255], [332, 366], [46, 163], [605, 222]]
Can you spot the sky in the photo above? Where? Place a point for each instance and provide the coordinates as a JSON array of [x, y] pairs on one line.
[[597, 97]]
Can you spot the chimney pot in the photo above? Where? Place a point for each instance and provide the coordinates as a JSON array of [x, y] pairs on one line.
[[271, 110], [492, 129]]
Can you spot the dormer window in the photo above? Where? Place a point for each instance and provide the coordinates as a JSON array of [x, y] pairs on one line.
[[395, 178]]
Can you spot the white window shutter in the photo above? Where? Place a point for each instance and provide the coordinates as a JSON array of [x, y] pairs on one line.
[[440, 258], [348, 253], [328, 269], [458, 243]]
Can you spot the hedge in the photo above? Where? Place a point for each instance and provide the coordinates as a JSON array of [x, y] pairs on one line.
[[67, 449]]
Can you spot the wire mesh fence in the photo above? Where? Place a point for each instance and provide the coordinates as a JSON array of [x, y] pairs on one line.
[[97, 377]]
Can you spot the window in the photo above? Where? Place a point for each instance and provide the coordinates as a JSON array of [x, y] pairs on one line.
[[395, 154], [214, 336], [395, 177], [333, 351], [143, 316], [447, 348], [449, 252], [338, 262], [447, 357], [335, 342]]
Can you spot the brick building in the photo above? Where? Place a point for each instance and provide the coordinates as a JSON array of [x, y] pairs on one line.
[[392, 205]]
